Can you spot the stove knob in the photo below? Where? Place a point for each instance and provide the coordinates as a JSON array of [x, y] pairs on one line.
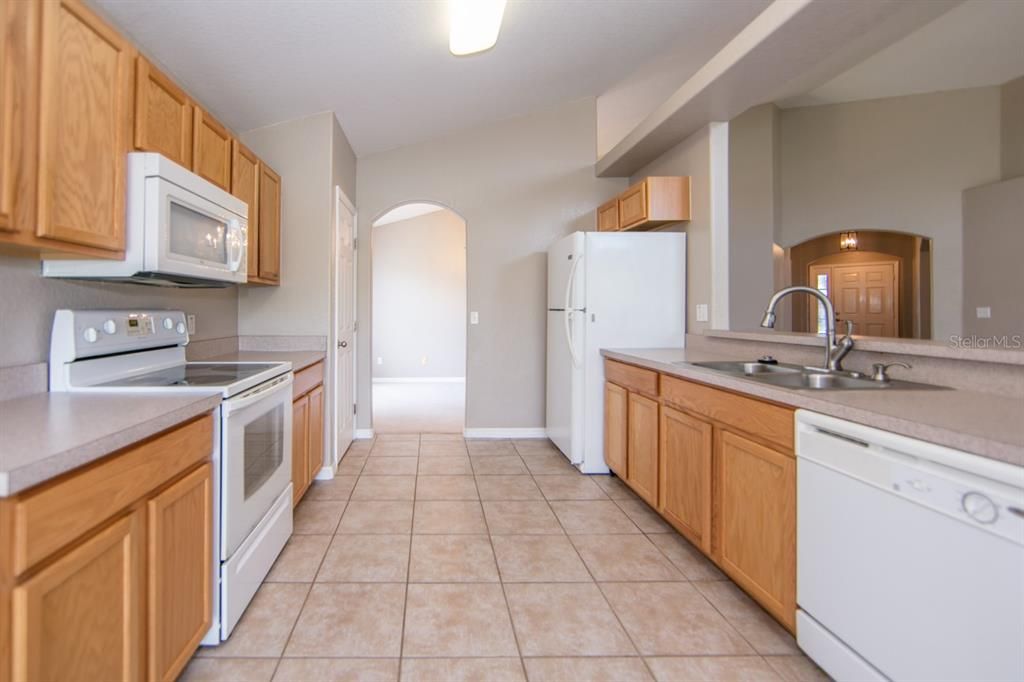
[[979, 507], [91, 335], [168, 324], [181, 328], [110, 327]]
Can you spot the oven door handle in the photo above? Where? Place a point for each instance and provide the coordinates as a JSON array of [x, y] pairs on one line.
[[261, 392]]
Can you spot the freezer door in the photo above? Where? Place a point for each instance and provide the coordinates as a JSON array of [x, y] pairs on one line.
[[565, 386], [564, 261]]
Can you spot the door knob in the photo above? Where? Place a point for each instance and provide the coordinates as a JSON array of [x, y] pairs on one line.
[[342, 344]]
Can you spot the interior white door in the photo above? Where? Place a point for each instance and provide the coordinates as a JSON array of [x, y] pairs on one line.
[[345, 298]]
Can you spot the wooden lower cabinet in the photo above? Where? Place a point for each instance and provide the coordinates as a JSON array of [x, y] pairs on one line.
[[718, 466], [81, 617], [307, 429], [180, 543], [124, 589], [616, 405], [642, 453], [685, 475], [756, 530]]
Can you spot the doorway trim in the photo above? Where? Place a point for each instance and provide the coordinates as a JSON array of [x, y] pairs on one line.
[[332, 336]]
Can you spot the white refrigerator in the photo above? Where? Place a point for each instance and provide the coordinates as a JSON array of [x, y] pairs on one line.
[[605, 290]]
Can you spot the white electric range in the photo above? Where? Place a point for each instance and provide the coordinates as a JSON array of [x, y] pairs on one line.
[[144, 351]]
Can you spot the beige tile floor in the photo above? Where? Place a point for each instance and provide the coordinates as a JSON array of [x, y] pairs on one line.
[[434, 558]]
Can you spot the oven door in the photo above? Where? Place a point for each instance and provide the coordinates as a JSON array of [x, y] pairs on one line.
[[187, 234], [255, 458]]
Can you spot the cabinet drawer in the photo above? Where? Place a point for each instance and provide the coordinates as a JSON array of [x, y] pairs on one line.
[[307, 379], [635, 379], [46, 520], [769, 422]]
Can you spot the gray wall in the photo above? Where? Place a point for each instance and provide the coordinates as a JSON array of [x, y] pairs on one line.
[[753, 212], [692, 157], [1013, 128], [29, 300], [419, 297], [993, 244], [520, 184], [898, 164]]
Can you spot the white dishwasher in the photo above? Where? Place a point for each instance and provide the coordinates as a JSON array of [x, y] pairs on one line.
[[910, 557]]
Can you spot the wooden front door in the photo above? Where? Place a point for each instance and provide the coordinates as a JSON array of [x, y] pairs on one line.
[[866, 294]]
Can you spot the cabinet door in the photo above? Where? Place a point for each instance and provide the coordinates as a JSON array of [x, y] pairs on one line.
[[315, 453], [300, 452], [270, 224], [12, 28], [80, 617], [684, 484], [756, 528], [211, 149], [633, 205], [180, 560], [615, 408], [608, 216], [85, 113], [163, 115], [642, 452], [245, 182]]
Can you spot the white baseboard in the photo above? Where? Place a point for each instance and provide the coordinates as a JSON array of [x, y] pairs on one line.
[[363, 434], [326, 473], [419, 380], [532, 432]]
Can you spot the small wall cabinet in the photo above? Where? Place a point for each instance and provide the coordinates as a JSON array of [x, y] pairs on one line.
[[307, 428], [106, 573], [719, 467], [650, 203], [269, 242], [163, 115]]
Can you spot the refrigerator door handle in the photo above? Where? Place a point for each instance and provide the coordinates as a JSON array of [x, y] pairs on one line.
[[569, 311]]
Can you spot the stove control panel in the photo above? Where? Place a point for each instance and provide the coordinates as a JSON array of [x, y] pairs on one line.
[[81, 334]]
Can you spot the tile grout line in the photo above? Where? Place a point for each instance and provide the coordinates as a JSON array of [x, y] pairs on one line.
[[408, 561]]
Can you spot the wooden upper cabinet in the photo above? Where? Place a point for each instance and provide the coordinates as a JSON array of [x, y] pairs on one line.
[[756, 526], [633, 205], [245, 184], [642, 449], [269, 225], [608, 216], [615, 428], [211, 149], [163, 115], [315, 453], [81, 615], [10, 118], [684, 485], [180, 560], [84, 127]]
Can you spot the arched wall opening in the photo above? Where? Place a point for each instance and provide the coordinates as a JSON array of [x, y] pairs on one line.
[[418, 319]]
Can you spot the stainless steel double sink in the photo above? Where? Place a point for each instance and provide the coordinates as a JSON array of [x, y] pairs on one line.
[[798, 377]]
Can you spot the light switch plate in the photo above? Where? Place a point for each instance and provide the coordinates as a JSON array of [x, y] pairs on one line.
[[474, 317], [984, 313], [702, 312], [190, 320]]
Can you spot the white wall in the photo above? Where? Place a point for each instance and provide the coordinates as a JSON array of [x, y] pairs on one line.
[[520, 184], [898, 164], [1013, 128], [419, 297], [29, 300]]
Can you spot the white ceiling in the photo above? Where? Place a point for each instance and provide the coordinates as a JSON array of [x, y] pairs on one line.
[[406, 211], [384, 66], [977, 43]]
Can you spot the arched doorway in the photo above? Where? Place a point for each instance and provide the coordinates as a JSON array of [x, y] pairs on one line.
[[418, 319]]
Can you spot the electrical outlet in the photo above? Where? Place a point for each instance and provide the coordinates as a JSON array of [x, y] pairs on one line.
[[380, 360], [190, 321], [474, 317], [702, 312]]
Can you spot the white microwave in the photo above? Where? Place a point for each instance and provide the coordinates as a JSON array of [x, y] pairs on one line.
[[182, 231]]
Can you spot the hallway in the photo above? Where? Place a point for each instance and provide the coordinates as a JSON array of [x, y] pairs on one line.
[[435, 558], [419, 407]]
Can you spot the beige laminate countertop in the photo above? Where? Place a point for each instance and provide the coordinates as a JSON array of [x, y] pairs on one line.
[[47, 434], [300, 359], [984, 424]]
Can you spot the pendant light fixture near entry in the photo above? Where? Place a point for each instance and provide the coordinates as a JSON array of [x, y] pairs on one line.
[[847, 241], [474, 25]]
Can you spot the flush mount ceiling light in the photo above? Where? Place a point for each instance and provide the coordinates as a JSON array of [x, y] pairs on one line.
[[474, 25]]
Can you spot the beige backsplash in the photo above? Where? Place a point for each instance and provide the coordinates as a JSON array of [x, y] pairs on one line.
[[986, 377]]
